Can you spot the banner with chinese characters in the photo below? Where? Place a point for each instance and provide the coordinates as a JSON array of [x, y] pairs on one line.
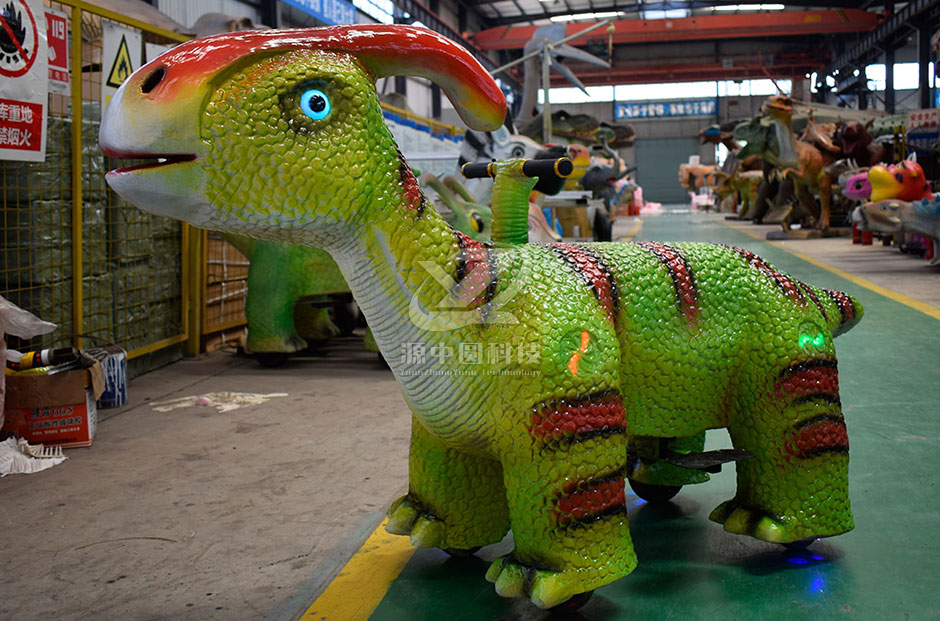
[[24, 81], [923, 129], [663, 109], [330, 12]]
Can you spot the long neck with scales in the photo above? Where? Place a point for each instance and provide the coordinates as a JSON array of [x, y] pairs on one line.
[[396, 257]]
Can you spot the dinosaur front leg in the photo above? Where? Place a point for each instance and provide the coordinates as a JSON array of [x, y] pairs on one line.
[[269, 305], [455, 501], [565, 484], [796, 486]]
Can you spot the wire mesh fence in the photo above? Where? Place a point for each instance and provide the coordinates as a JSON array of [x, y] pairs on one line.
[[71, 251]]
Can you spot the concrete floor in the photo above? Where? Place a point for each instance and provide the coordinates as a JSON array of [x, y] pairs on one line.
[[197, 514]]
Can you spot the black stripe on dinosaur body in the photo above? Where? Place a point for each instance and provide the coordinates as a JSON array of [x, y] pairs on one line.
[[585, 502], [783, 282], [815, 363], [844, 302], [812, 295], [683, 278], [563, 422], [820, 435], [413, 196], [591, 269], [476, 260]]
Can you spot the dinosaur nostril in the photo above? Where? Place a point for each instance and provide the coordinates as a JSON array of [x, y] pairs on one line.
[[153, 80]]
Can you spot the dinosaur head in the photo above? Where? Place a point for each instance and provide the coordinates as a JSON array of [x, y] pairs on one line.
[[853, 135], [882, 216], [857, 187], [279, 133], [904, 181]]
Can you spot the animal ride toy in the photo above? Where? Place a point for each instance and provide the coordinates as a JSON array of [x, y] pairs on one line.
[[539, 375], [904, 181]]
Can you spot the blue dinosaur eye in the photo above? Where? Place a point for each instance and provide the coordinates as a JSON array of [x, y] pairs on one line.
[[315, 104]]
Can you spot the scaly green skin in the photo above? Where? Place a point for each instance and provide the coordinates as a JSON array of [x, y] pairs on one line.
[[278, 276], [578, 343]]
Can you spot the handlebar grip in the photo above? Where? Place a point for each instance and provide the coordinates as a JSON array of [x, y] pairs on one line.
[[473, 170], [562, 167]]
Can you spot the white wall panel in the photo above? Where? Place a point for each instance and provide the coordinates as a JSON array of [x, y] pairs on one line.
[[187, 12]]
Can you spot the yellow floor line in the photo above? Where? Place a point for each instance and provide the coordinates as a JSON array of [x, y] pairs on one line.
[[360, 586], [923, 307], [630, 235]]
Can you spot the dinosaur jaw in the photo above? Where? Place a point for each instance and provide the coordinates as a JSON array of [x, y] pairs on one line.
[[170, 182]]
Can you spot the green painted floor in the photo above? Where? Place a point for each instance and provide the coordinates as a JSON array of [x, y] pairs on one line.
[[689, 568]]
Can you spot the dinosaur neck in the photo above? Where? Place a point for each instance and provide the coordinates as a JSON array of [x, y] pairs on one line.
[[394, 267]]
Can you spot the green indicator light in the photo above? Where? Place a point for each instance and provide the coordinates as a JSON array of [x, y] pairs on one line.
[[819, 340]]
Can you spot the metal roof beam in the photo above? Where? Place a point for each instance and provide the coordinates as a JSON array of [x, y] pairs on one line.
[[912, 14], [749, 25]]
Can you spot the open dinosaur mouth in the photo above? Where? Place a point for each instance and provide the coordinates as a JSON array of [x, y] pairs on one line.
[[156, 161]]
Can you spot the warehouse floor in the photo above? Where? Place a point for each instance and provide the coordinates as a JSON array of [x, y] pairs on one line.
[[190, 512]]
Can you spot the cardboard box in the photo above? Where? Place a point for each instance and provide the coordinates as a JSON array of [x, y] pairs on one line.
[[54, 409]]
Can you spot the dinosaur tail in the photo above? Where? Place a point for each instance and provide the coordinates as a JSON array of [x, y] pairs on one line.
[[842, 310]]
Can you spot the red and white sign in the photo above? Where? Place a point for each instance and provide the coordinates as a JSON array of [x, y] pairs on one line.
[[57, 31], [24, 80]]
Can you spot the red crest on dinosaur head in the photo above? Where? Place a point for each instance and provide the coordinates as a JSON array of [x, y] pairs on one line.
[[384, 50]]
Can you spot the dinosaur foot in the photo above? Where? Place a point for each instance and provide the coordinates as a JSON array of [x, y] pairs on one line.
[[758, 523], [276, 344], [407, 516], [544, 587], [750, 521]]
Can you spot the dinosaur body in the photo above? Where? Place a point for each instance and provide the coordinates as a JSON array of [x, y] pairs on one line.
[[538, 375], [279, 275]]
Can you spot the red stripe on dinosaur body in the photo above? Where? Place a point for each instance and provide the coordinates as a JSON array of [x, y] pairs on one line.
[[563, 419], [586, 501], [801, 381], [593, 271], [413, 198], [683, 280], [844, 302], [825, 435], [475, 272], [783, 282], [812, 295]]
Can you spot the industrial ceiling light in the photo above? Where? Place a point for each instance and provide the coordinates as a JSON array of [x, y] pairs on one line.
[[586, 16], [750, 7]]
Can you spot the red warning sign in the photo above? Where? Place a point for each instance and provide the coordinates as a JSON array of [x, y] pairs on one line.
[[20, 125], [57, 34], [19, 38]]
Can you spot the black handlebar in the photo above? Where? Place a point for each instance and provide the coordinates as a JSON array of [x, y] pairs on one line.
[[561, 167]]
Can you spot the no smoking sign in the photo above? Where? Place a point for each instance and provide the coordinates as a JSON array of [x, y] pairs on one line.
[[19, 37]]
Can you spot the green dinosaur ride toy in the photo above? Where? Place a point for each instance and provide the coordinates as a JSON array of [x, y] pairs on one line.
[[539, 375]]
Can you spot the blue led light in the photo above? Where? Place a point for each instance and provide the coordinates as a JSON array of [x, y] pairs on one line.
[[797, 560], [817, 584]]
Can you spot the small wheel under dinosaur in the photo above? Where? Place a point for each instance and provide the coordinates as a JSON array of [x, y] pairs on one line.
[[271, 360], [462, 552], [802, 544], [570, 605], [654, 493]]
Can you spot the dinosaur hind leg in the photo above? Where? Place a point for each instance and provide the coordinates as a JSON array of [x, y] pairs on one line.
[[796, 485]]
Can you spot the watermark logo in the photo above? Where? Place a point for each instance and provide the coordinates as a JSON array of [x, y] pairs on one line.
[[458, 306], [470, 359]]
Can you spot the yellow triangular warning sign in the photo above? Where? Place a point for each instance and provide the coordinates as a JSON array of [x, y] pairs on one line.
[[121, 67]]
